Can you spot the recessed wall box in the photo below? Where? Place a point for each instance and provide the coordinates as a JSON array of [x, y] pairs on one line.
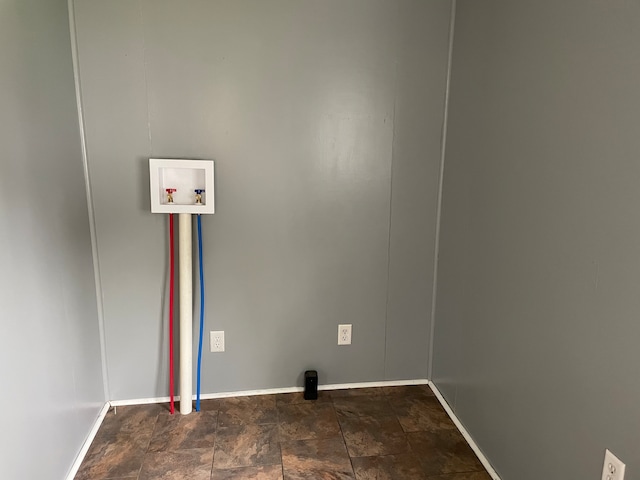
[[181, 186]]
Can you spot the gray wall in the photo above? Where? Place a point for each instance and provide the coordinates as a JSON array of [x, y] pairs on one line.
[[536, 341], [324, 119], [49, 343]]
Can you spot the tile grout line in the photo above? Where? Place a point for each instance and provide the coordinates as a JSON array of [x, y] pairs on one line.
[[215, 441], [275, 401], [146, 452], [344, 441]]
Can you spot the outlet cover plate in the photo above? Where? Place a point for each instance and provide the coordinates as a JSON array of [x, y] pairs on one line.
[[216, 341], [344, 334], [613, 468]]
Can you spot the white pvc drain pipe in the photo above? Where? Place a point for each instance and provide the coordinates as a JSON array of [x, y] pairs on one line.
[[186, 313]]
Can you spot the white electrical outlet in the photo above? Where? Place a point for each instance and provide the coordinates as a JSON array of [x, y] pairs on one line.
[[216, 339], [613, 468], [344, 334]]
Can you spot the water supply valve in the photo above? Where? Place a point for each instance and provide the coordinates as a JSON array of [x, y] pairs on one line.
[[170, 192], [199, 192]]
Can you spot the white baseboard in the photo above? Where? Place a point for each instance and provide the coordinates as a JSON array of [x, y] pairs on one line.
[[386, 383], [474, 446], [272, 391], [87, 443]]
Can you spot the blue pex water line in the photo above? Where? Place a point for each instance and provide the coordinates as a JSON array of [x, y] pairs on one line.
[[201, 312]]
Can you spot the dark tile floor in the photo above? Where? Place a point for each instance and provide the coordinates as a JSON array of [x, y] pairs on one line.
[[392, 433]]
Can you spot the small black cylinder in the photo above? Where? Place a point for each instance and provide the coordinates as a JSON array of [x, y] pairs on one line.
[[310, 385]]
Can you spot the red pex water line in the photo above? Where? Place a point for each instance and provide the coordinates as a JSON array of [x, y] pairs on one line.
[[171, 312]]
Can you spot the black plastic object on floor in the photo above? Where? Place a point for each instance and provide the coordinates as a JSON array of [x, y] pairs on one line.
[[310, 385]]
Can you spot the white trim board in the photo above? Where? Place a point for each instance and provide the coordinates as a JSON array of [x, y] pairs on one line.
[[474, 446], [272, 391], [87, 443], [443, 148], [97, 276]]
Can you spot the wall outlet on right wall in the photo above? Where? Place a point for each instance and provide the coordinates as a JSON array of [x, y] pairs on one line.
[[613, 468]]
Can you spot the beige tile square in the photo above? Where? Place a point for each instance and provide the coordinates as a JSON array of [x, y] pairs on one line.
[[404, 466], [270, 472], [369, 436], [444, 451], [247, 445], [183, 465], [316, 459], [184, 432], [307, 421]]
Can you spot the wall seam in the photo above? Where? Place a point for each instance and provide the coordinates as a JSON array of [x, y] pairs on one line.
[[90, 208], [393, 142], [146, 78], [443, 146]]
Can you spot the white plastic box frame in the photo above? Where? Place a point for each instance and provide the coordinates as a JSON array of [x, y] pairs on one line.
[[185, 176]]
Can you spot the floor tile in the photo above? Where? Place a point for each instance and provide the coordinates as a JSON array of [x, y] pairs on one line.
[[270, 472], [116, 462], [316, 459], [184, 432], [183, 465], [298, 397], [408, 391], [362, 406], [356, 392], [114, 455], [139, 419], [210, 405], [370, 436], [391, 433], [391, 467], [418, 414], [259, 409], [307, 421], [246, 445], [462, 476], [444, 451], [165, 407]]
